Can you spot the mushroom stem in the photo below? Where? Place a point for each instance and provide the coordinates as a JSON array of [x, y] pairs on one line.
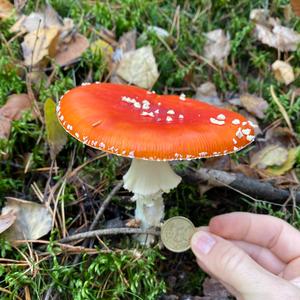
[[148, 180]]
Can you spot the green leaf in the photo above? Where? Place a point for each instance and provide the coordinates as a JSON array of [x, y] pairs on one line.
[[56, 135]]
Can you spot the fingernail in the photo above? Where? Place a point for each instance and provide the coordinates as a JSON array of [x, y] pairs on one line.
[[202, 242]]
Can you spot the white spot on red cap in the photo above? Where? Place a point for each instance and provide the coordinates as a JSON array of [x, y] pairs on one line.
[[171, 112], [246, 131], [169, 119], [250, 138], [217, 122], [182, 97], [239, 133], [236, 122], [221, 117]]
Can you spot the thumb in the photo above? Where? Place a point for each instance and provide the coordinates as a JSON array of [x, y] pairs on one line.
[[232, 266]]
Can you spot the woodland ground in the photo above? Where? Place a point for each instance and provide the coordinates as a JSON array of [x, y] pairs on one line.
[[116, 267]]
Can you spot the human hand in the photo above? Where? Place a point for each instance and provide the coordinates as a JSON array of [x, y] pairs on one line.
[[256, 257]]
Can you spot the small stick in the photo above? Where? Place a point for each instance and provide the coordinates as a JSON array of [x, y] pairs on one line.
[[107, 231], [105, 204]]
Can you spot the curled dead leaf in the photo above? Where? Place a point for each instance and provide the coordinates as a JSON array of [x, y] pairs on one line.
[[33, 220], [217, 46], [283, 72], [270, 32], [255, 105]]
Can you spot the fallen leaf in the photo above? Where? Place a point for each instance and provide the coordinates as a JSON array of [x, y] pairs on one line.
[[39, 44], [70, 52], [6, 220], [217, 46], [127, 42], [287, 165], [15, 105], [6, 9], [13, 109], [283, 72], [103, 48], [271, 155], [5, 126], [139, 67], [296, 6], [255, 105], [33, 220], [207, 92], [56, 135], [270, 32], [47, 18]]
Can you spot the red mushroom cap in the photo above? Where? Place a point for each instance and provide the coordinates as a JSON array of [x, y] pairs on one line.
[[133, 122]]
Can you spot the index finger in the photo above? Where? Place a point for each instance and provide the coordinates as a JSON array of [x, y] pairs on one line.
[[263, 230]]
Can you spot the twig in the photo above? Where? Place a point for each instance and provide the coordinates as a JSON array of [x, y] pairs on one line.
[[105, 204], [107, 231], [239, 182]]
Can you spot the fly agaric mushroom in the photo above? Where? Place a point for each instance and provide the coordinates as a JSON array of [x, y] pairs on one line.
[[152, 130]]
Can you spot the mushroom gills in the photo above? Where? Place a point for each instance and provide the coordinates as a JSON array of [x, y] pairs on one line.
[[148, 180]]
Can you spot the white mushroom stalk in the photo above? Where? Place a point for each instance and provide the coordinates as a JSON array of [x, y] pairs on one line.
[[148, 180]]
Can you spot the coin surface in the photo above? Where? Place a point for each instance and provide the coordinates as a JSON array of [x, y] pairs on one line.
[[176, 233]]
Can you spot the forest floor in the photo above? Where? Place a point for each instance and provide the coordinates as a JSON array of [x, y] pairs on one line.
[[226, 53]]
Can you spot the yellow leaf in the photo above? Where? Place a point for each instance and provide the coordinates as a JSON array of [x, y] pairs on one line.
[[288, 164], [56, 135], [102, 47]]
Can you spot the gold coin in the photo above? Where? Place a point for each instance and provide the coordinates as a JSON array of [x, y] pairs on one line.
[[176, 233]]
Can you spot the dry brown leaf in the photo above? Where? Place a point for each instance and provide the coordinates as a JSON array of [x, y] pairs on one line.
[[33, 220], [6, 9], [15, 105], [255, 105], [207, 92], [271, 155], [48, 18], [69, 53], [5, 126], [296, 6], [270, 32], [6, 220], [39, 44], [217, 46], [139, 67], [13, 109], [283, 72]]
